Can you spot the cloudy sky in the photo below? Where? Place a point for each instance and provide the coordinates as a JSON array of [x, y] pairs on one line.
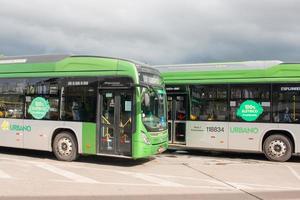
[[153, 31]]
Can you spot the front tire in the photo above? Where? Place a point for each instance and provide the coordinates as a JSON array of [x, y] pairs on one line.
[[65, 147], [277, 148]]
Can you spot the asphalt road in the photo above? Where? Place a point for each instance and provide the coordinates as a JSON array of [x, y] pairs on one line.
[[26, 174]]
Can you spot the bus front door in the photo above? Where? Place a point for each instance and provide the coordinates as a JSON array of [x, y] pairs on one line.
[[115, 122], [177, 116]]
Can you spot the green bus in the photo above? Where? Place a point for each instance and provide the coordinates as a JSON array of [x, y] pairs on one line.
[[73, 105], [249, 106]]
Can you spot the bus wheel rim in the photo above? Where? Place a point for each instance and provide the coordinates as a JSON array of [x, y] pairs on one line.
[[277, 148], [65, 146]]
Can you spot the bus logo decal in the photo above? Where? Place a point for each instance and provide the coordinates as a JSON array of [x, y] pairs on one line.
[[245, 130], [5, 125], [249, 110], [39, 107]]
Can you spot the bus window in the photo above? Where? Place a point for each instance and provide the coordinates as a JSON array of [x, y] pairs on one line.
[[11, 106], [11, 98], [208, 102], [45, 91], [286, 103], [181, 113], [258, 97], [53, 112], [78, 101]]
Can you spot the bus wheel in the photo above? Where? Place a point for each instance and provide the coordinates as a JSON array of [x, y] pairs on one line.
[[277, 148], [65, 147]]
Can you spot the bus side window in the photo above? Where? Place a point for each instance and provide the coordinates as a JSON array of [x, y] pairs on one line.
[[11, 106], [12, 98], [46, 89], [259, 93], [209, 102], [286, 106], [78, 101]]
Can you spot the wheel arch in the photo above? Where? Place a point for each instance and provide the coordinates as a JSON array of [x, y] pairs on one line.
[[283, 132]]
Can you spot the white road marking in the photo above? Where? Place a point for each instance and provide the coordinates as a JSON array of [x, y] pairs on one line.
[[294, 172], [16, 161], [152, 179], [70, 175], [180, 177], [149, 174], [255, 186], [156, 181], [4, 175], [153, 185]]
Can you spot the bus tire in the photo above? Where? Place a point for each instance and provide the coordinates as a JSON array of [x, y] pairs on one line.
[[277, 148], [65, 147]]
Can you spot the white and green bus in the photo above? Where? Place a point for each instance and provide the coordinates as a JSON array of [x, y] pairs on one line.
[[240, 106], [75, 105]]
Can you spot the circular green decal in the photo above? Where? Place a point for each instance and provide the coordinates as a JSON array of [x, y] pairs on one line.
[[249, 110], [39, 107]]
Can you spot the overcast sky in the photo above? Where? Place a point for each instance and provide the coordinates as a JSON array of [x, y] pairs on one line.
[[153, 31]]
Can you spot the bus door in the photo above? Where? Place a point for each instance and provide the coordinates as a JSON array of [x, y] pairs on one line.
[[177, 116], [115, 122]]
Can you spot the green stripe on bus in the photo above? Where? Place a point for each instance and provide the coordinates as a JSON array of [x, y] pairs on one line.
[[89, 138]]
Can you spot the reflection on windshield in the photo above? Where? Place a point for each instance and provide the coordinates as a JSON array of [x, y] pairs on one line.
[[154, 110]]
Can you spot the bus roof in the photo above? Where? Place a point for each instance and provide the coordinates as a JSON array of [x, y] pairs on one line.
[[245, 65], [68, 65], [51, 58], [231, 72], [31, 59]]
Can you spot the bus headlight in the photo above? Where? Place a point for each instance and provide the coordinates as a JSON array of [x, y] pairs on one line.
[[145, 139]]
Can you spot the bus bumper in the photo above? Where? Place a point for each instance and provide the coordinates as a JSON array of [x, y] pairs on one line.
[[159, 148], [149, 150]]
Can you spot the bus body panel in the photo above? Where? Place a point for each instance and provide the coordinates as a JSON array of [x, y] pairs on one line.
[[247, 136], [294, 130], [40, 134], [11, 133], [89, 137], [230, 135], [207, 134], [35, 134]]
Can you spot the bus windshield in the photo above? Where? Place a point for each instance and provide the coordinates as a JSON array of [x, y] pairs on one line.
[[154, 110]]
